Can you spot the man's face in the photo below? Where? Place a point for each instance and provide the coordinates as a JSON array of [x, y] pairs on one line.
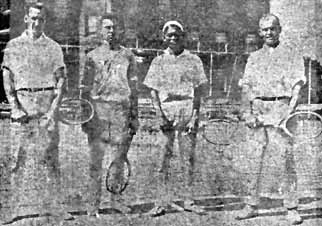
[[174, 38], [270, 31], [35, 21], [108, 30]]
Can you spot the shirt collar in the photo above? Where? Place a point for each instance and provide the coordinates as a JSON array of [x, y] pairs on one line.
[[42, 36], [184, 52], [271, 50]]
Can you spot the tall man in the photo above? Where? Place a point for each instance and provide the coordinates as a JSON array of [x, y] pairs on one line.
[[109, 82], [34, 78], [270, 86], [174, 79]]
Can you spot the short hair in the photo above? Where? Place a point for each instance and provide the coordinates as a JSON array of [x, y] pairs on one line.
[[37, 5], [269, 16], [108, 16]]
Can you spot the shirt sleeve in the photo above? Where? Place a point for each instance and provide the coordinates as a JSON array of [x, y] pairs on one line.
[[7, 57], [198, 74], [87, 78], [246, 82], [296, 71], [132, 72], [152, 78], [58, 59]]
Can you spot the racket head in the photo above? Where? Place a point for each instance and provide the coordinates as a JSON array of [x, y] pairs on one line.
[[219, 131], [303, 124], [125, 177], [75, 111]]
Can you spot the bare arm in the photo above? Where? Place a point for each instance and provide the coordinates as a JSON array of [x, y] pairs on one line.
[[60, 75], [49, 118], [295, 97], [156, 99], [9, 87], [86, 79]]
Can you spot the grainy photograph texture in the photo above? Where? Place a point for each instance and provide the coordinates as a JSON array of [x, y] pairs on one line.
[[160, 112]]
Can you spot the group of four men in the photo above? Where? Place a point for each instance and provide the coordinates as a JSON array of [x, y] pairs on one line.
[[34, 80]]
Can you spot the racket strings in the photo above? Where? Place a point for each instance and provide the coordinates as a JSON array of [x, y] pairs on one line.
[[76, 111], [305, 124], [219, 132]]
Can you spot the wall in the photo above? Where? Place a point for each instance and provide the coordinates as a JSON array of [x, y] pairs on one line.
[[301, 28]]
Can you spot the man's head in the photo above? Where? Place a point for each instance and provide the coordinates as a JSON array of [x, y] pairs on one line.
[[35, 18], [270, 29], [107, 27], [173, 34]]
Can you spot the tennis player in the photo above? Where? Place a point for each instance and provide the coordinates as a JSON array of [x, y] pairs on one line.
[[175, 78], [34, 78], [271, 83], [111, 75]]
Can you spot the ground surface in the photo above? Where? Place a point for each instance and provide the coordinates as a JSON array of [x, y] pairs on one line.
[[222, 172]]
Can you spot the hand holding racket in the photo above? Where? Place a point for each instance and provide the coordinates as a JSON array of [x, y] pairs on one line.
[[47, 121], [304, 122], [75, 111]]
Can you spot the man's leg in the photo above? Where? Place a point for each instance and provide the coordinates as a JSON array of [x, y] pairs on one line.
[[121, 137], [51, 156], [187, 145], [95, 169], [291, 200], [94, 130], [54, 201], [162, 199], [168, 153], [117, 173], [252, 203], [20, 142]]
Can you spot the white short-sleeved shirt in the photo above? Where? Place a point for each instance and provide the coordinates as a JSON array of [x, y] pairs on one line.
[[272, 73], [175, 78], [33, 62], [113, 71], [175, 75]]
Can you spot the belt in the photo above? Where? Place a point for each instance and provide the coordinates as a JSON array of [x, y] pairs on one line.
[[171, 98], [273, 98], [33, 90]]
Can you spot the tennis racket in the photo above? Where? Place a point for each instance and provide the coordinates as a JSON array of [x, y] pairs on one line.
[[222, 123], [305, 122], [118, 176], [75, 111], [302, 124], [219, 131]]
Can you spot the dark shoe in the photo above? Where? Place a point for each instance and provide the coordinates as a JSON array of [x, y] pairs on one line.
[[192, 207], [121, 207], [62, 216], [68, 217], [247, 213], [93, 213], [157, 211], [177, 207], [294, 217]]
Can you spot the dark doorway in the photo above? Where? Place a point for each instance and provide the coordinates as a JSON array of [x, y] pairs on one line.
[[4, 38]]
